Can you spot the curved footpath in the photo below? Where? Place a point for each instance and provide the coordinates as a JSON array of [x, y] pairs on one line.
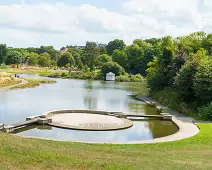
[[9, 87], [187, 126]]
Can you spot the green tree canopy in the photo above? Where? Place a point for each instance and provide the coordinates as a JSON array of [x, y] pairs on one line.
[[65, 59], [115, 45], [113, 67], [184, 81], [3, 53], [14, 57], [121, 58], [134, 53], [203, 81], [156, 78], [44, 60], [33, 59], [100, 60], [91, 53]]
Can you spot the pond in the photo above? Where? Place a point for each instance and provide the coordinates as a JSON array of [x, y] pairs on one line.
[[72, 94]]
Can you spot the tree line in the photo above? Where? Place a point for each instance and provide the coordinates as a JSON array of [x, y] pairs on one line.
[[182, 63]]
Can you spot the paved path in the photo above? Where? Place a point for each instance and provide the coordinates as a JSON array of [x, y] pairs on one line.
[[9, 87]]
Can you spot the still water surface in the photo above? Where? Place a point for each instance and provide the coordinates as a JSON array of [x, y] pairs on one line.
[[16, 105]]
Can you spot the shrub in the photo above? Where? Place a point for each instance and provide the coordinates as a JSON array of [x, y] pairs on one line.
[[184, 81], [168, 97], [203, 81], [124, 78], [206, 112], [130, 78], [136, 78], [113, 67]]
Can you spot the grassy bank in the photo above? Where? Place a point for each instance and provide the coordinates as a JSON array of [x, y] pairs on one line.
[[34, 83], [7, 80], [30, 70], [96, 76], [170, 98], [21, 153], [9, 83]]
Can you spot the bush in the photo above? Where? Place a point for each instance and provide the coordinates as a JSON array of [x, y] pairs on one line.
[[206, 112], [136, 78], [124, 78], [113, 67], [203, 81], [156, 78], [184, 81], [171, 98], [130, 78], [168, 97], [78, 75]]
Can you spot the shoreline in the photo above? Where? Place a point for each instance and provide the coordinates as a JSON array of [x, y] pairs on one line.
[[7, 88]]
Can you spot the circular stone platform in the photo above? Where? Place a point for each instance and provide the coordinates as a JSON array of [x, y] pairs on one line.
[[86, 121]]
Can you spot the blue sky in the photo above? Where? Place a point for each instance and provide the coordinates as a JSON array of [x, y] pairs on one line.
[[26, 23]]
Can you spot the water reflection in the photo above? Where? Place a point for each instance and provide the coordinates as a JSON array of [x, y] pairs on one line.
[[139, 131], [16, 105]]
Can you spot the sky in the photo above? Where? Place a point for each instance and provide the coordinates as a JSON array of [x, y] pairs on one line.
[[27, 23]]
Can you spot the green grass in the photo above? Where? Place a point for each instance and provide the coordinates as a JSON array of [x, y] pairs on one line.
[[9, 83], [22, 153], [34, 83], [30, 70]]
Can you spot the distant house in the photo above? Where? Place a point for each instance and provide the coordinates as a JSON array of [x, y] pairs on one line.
[[102, 45], [110, 76], [64, 51], [79, 47]]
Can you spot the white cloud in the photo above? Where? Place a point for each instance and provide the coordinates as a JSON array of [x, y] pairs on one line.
[[61, 24]]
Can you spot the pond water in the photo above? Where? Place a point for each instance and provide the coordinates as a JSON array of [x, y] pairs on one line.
[[16, 105]]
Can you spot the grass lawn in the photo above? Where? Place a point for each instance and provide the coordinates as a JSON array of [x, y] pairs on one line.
[[22, 153], [31, 70]]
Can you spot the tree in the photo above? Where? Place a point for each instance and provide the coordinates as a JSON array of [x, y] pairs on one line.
[[155, 75], [153, 41], [115, 45], [33, 59], [91, 53], [14, 57], [147, 53], [3, 53], [50, 50], [65, 59], [203, 81], [184, 81], [100, 60], [44, 60], [134, 53], [121, 58], [77, 59], [207, 44], [112, 67]]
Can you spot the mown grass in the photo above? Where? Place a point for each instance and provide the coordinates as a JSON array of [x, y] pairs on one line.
[[34, 83], [30, 70], [22, 153]]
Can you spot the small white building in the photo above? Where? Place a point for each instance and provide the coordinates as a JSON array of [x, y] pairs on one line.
[[110, 77]]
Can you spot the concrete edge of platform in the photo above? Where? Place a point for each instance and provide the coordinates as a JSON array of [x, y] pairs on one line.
[[186, 130], [126, 124]]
